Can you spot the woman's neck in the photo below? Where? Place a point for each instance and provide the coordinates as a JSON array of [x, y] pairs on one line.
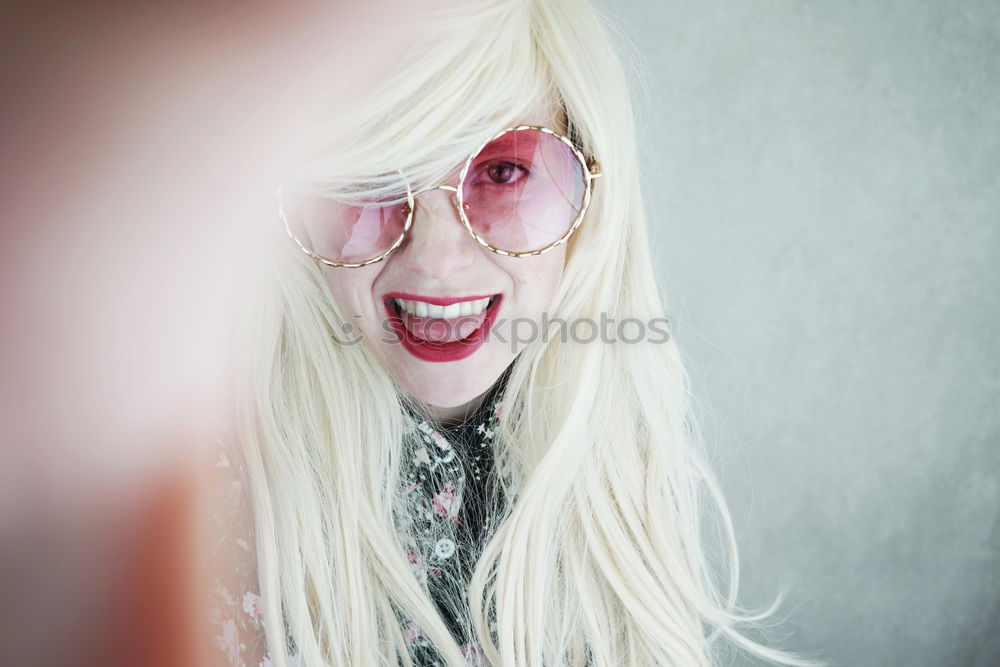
[[448, 418]]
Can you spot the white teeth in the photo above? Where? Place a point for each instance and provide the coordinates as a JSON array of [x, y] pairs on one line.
[[461, 309]]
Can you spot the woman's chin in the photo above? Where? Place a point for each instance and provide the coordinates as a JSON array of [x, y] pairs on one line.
[[450, 390]]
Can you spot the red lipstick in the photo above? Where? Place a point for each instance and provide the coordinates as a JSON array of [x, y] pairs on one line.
[[427, 350]]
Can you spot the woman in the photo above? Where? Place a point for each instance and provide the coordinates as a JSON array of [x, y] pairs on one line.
[[429, 482]]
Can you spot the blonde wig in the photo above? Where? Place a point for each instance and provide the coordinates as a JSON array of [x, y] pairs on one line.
[[598, 557]]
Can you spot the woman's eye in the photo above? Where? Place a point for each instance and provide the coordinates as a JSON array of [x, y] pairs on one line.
[[504, 172]]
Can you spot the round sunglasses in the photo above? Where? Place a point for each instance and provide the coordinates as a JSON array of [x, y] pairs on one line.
[[523, 192]]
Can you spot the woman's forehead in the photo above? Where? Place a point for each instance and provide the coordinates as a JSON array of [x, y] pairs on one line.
[[427, 159], [542, 114]]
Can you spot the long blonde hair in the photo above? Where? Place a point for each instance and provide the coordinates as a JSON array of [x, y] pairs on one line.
[[598, 559]]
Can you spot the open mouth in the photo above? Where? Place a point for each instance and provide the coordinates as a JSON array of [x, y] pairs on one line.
[[441, 329]]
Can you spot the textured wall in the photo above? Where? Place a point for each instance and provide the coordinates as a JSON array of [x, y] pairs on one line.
[[824, 193]]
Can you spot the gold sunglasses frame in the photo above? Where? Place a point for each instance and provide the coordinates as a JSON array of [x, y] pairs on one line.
[[589, 176]]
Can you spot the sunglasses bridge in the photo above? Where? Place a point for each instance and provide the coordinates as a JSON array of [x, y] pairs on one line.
[[447, 188]]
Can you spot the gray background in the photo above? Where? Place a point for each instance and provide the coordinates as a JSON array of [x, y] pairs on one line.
[[822, 180]]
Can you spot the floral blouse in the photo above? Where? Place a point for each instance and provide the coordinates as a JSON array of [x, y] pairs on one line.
[[446, 479]]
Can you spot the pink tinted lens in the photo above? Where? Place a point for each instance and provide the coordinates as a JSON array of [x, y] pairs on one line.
[[524, 190], [342, 232]]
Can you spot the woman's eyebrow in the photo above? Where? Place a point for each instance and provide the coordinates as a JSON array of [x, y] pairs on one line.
[[510, 143]]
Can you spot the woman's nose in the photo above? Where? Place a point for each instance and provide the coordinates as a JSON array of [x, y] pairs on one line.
[[437, 245]]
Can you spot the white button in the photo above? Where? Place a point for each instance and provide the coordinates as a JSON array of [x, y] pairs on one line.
[[444, 548]]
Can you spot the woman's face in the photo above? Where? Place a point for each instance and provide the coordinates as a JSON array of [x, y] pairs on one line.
[[444, 360]]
